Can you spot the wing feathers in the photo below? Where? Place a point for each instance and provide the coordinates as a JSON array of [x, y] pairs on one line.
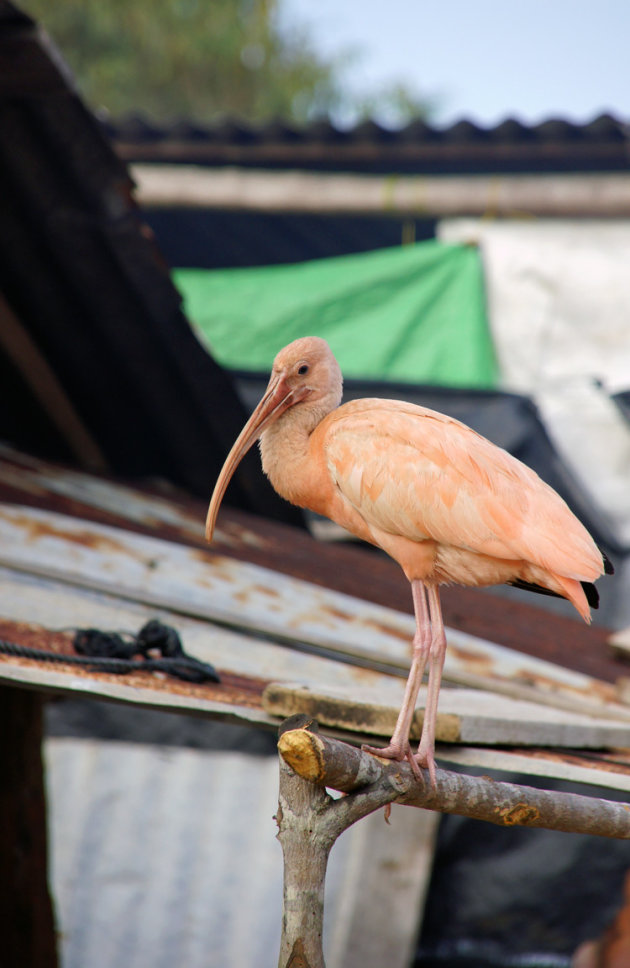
[[414, 472]]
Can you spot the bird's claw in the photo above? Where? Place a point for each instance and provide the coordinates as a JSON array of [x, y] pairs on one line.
[[398, 752], [423, 759]]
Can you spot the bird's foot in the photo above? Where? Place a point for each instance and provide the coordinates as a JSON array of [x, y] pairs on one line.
[[426, 759], [397, 751]]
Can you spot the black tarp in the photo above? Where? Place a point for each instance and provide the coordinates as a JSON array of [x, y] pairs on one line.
[[94, 347]]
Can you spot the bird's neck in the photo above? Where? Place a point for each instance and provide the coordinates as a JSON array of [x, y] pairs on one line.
[[285, 452]]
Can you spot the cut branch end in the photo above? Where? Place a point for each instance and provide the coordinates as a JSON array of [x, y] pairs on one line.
[[303, 752]]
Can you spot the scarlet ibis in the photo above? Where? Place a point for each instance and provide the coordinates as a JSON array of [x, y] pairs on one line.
[[447, 504]]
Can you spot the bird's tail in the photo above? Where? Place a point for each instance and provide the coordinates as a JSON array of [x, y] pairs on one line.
[[577, 595]]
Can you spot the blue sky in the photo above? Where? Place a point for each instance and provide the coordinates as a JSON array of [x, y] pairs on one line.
[[484, 60]]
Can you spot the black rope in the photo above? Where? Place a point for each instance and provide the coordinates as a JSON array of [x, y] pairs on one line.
[[115, 652]]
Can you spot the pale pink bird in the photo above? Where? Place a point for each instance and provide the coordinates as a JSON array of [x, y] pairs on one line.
[[444, 502]]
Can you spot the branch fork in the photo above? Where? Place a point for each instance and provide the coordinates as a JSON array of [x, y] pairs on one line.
[[310, 820]]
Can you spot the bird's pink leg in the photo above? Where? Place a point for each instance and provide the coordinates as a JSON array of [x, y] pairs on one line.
[[437, 651], [399, 748]]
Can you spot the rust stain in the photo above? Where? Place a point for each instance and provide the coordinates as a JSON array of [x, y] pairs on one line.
[[248, 695], [475, 661], [23, 477], [231, 534], [391, 630], [615, 761], [266, 590], [603, 690], [36, 637], [233, 690], [329, 615], [367, 675], [75, 508], [313, 617], [338, 613], [35, 530], [222, 567], [244, 595], [207, 557]]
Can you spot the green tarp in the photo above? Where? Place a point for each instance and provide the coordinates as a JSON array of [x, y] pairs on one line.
[[413, 314]]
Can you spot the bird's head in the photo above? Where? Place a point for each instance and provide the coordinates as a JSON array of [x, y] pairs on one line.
[[305, 374], [306, 370]]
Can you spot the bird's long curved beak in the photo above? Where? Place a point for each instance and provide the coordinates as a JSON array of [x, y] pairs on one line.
[[278, 397]]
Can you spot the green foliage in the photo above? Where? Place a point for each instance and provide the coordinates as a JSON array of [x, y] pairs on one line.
[[202, 59]]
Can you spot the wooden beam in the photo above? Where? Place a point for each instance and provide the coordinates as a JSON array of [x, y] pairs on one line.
[[467, 716], [27, 925], [241, 189]]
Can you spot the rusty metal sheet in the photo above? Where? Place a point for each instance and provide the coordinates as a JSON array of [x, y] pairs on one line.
[[32, 608], [31, 476], [175, 516], [607, 770], [25, 479], [366, 701], [247, 665], [198, 583]]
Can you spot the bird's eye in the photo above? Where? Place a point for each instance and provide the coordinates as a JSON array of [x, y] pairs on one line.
[[303, 369]]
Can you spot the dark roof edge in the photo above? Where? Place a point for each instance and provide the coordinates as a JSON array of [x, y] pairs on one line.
[[554, 145], [230, 130]]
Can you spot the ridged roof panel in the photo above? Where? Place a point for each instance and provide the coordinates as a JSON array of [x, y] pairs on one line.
[[464, 147]]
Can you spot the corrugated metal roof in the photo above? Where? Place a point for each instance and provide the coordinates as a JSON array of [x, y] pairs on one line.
[[163, 857], [168, 856], [418, 147], [176, 517], [66, 568]]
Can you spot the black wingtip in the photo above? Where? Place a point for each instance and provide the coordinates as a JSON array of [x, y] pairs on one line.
[[608, 565], [529, 586], [592, 595]]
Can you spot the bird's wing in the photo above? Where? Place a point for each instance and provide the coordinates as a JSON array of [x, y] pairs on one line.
[[418, 473]]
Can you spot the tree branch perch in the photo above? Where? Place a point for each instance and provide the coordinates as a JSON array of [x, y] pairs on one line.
[[310, 820], [339, 766]]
